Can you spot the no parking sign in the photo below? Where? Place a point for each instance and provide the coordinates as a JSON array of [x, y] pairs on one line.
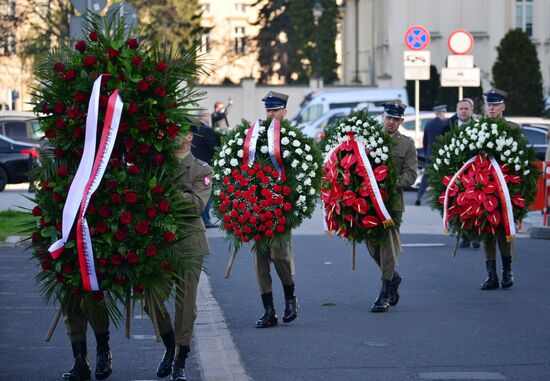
[[417, 38]]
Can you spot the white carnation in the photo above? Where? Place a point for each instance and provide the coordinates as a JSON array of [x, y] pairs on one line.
[[296, 143], [304, 166], [311, 192], [377, 161], [309, 158], [438, 161], [217, 192], [240, 153], [264, 149], [307, 181], [222, 153], [234, 162], [285, 141], [307, 148], [221, 162], [490, 145], [517, 167], [228, 151], [226, 171], [291, 133], [294, 163], [299, 151], [312, 174], [240, 142], [526, 172], [286, 154]]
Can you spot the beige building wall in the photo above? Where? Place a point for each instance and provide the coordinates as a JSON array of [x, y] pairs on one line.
[[228, 49], [373, 47]]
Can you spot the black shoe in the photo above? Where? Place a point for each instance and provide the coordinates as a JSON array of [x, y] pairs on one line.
[[81, 368], [291, 310], [507, 274], [165, 365], [211, 225], [104, 365], [476, 244], [465, 243], [491, 283], [178, 371], [381, 303], [417, 202], [393, 296], [269, 318]]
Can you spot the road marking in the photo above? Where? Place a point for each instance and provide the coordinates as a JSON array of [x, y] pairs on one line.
[[461, 376], [217, 354], [423, 244], [144, 337], [328, 263]]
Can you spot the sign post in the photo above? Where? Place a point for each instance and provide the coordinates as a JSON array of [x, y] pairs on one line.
[[416, 63], [460, 71]]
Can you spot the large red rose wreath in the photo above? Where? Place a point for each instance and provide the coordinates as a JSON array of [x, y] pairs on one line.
[[483, 179], [127, 228], [358, 185]]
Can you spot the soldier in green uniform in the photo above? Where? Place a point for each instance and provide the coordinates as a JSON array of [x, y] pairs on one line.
[[194, 178], [76, 318], [385, 254], [495, 104], [275, 106]]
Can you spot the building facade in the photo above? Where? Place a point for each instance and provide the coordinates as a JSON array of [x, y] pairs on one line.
[[373, 34]]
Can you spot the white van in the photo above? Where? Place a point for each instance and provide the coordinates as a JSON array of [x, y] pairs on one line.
[[318, 103]]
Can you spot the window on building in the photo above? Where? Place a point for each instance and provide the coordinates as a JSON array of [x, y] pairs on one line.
[[239, 37], [7, 45], [524, 16], [205, 43], [7, 9], [240, 7]]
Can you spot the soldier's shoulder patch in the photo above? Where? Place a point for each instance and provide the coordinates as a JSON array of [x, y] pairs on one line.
[[206, 181], [201, 163]]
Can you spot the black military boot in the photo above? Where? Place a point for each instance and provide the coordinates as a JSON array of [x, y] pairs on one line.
[[269, 318], [393, 296], [178, 367], [291, 304], [491, 283], [381, 304], [507, 274], [104, 358], [81, 368], [165, 365]]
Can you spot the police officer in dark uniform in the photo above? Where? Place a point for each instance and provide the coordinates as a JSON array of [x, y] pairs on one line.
[[275, 107], [77, 315], [385, 254], [194, 178], [495, 104], [433, 129]]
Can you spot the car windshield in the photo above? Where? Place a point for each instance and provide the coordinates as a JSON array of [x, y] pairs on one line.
[[36, 131]]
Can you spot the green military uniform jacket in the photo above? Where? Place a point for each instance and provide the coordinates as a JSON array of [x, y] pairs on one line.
[[406, 163], [194, 178]]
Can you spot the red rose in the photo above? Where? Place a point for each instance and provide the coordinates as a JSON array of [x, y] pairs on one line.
[[165, 265], [131, 198], [59, 107], [143, 125], [157, 189], [164, 206], [151, 211], [162, 119], [101, 228], [69, 75], [73, 113], [80, 97], [132, 43], [158, 159], [75, 291], [121, 77], [116, 260], [142, 86], [36, 211], [168, 236], [80, 45], [138, 289], [77, 133], [62, 171], [114, 163], [173, 130], [160, 92], [150, 78], [112, 53], [129, 143], [131, 257], [287, 207], [286, 190], [89, 61], [59, 67], [67, 268], [59, 153], [151, 250], [103, 100], [136, 61], [130, 157], [121, 234], [93, 36], [124, 126], [115, 197], [162, 66], [98, 296], [103, 262], [133, 169], [120, 279], [132, 108], [143, 149], [142, 227], [269, 233], [45, 108], [111, 184], [125, 218], [104, 211]]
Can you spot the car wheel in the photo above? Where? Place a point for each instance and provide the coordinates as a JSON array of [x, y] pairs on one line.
[[3, 179]]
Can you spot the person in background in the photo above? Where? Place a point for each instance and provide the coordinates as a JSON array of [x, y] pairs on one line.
[[433, 129], [219, 117], [205, 142]]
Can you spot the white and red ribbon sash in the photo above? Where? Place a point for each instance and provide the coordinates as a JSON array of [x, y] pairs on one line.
[[373, 190], [82, 175], [505, 202], [250, 142], [83, 239], [89, 174], [274, 145], [446, 198]]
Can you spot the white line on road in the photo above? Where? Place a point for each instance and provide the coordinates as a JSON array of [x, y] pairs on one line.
[[423, 244]]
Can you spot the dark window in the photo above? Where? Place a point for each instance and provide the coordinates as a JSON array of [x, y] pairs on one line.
[[15, 130], [534, 136], [240, 40]]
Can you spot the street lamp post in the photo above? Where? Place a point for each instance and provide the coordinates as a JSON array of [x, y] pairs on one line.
[[317, 11]]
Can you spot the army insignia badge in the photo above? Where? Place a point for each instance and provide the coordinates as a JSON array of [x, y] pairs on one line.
[[206, 181]]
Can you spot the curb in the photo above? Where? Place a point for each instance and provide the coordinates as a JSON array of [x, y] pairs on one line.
[[539, 232], [14, 240]]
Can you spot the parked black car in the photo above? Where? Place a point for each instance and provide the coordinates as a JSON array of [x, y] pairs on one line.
[[16, 159]]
